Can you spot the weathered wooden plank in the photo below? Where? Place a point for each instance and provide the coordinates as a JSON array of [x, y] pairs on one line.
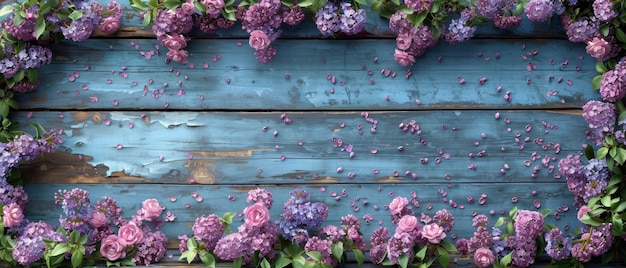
[[233, 148], [552, 196], [118, 77]]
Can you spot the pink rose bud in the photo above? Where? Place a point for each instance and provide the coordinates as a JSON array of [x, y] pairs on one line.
[[434, 233], [151, 209], [130, 234]]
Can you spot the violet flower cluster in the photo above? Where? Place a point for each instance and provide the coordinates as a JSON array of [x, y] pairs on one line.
[[410, 236], [300, 217], [255, 237], [342, 17], [349, 234]]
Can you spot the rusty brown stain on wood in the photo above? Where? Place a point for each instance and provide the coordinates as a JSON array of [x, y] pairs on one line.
[[202, 169], [60, 167]]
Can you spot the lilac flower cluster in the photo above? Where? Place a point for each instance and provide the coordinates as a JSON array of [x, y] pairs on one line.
[[77, 209], [152, 249], [10, 194], [333, 18], [501, 12], [411, 42], [539, 10], [593, 243], [300, 217], [30, 246], [528, 226], [256, 237], [601, 117], [378, 244], [482, 236], [80, 29], [322, 246], [558, 247], [208, 230], [31, 57], [25, 148], [169, 27], [613, 83]]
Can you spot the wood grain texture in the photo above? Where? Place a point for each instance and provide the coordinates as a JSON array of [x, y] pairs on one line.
[[233, 148], [215, 201], [118, 77]]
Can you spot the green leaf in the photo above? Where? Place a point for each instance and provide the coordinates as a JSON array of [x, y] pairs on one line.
[[621, 207], [238, 262], [499, 222], [76, 14], [513, 212], [444, 256], [619, 33], [171, 4], [604, 29], [407, 10], [448, 246], [417, 19], [281, 261], [602, 152], [33, 75], [435, 7], [147, 19], [306, 3], [600, 67], [207, 258], [19, 75], [139, 5], [586, 219], [595, 82], [546, 212], [228, 217], [77, 258], [60, 249], [200, 7], [315, 255], [403, 260], [337, 250], [4, 109], [509, 228], [606, 201], [506, 260], [421, 254], [359, 256], [6, 10]]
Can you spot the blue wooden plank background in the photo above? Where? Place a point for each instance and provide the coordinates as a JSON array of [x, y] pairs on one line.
[[216, 129]]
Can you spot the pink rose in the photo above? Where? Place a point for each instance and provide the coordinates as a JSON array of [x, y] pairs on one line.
[[151, 209], [130, 234], [256, 215], [110, 25], [598, 48], [397, 205], [404, 58], [582, 211], [174, 42], [112, 249], [483, 257], [403, 41], [99, 219], [259, 40], [213, 7], [407, 224], [179, 56], [434, 233], [188, 8], [12, 215]]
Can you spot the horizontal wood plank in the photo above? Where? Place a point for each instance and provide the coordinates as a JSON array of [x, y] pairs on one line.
[[216, 200], [241, 148], [541, 74]]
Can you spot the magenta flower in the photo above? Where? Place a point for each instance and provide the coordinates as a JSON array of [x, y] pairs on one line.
[[256, 215], [12, 215], [112, 248], [259, 40], [434, 233]]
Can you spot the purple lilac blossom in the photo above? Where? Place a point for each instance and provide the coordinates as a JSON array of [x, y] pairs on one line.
[[10, 194], [444, 219], [208, 230], [171, 22], [539, 10], [400, 244], [25, 31], [332, 233], [299, 216], [613, 85], [109, 207], [557, 246], [260, 195], [327, 19], [459, 31], [262, 239], [603, 10], [505, 22], [81, 29], [528, 224], [152, 249], [352, 21], [293, 15], [524, 250], [350, 221], [324, 247], [265, 55], [232, 246], [29, 246], [264, 16], [582, 30], [77, 209], [378, 244], [600, 115], [419, 5]]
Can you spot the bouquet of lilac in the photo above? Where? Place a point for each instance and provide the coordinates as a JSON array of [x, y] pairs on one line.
[[412, 243]]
